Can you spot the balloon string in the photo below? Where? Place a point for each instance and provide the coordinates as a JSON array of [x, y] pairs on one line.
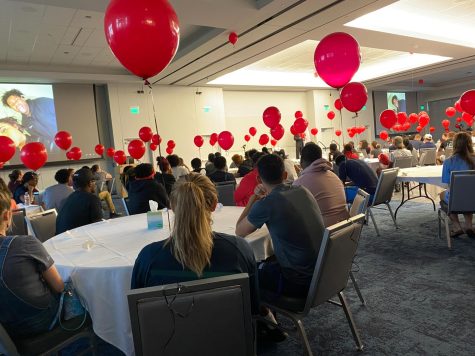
[[147, 83]]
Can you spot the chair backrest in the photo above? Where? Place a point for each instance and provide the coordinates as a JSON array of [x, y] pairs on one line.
[[360, 203], [403, 162], [427, 156], [43, 225], [19, 226], [210, 316], [385, 187], [226, 193], [125, 205], [338, 248], [448, 152], [7, 346], [462, 192]]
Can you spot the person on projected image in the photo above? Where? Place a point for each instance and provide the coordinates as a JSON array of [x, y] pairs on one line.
[[11, 128], [399, 105], [38, 115]]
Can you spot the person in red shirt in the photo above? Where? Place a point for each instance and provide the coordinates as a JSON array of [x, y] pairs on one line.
[[348, 152], [245, 189]]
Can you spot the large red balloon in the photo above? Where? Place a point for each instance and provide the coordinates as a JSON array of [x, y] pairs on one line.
[[110, 152], [271, 117], [331, 115], [198, 140], [457, 106], [467, 118], [314, 131], [338, 105], [338, 132], [169, 150], [413, 118], [120, 157], [383, 135], [171, 144], [419, 128], [252, 131], [298, 114], [156, 139], [263, 140], [467, 101], [7, 148], [292, 130], [99, 149], [34, 155], [388, 118], [136, 149], [68, 155], [145, 134], [214, 137], [446, 124], [63, 140], [300, 125], [142, 34], [354, 96], [225, 140], [401, 118], [247, 138], [450, 111], [153, 146], [277, 132], [337, 59], [424, 120], [75, 153]]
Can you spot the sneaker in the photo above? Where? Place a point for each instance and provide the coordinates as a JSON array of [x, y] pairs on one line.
[[268, 334], [115, 215]]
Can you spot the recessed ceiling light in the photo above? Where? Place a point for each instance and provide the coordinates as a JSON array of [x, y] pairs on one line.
[[88, 17]]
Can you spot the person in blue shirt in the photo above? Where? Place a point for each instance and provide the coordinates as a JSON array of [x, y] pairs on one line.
[[428, 143], [462, 159], [38, 115]]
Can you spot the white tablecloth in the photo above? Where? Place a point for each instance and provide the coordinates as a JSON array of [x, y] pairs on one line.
[[102, 272], [373, 163], [425, 174]]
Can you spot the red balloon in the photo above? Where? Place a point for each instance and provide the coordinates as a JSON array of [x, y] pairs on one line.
[[314, 131], [120, 157], [68, 155], [214, 137], [271, 116], [247, 138], [99, 149], [383, 135], [7, 148], [424, 120], [225, 140], [388, 118], [338, 132], [277, 132], [142, 34], [212, 142], [450, 111], [156, 139], [233, 38], [298, 114], [331, 115], [401, 118], [252, 131], [34, 155], [136, 149], [384, 159], [263, 140], [467, 117], [171, 144], [459, 119], [446, 124], [198, 140], [397, 127], [75, 153], [292, 130], [413, 118], [300, 125], [467, 101], [351, 134], [457, 106], [338, 104], [63, 140], [153, 146], [169, 150], [273, 142], [145, 134], [354, 96], [337, 58], [110, 152], [406, 126], [419, 128], [431, 129]]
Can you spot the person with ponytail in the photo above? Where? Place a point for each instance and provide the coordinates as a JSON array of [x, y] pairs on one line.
[[194, 250], [462, 159]]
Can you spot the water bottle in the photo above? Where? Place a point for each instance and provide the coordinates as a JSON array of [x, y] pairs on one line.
[[27, 199]]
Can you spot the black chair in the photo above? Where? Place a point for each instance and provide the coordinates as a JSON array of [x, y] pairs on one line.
[[18, 226], [330, 278], [43, 225], [461, 199], [209, 316], [226, 193]]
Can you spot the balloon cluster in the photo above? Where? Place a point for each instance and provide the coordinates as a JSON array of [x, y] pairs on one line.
[[271, 117], [355, 130], [300, 124]]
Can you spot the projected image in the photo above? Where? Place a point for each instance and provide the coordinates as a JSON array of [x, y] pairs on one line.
[[397, 101], [27, 114]]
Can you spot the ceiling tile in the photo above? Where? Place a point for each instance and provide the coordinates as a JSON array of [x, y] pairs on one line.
[[58, 16]]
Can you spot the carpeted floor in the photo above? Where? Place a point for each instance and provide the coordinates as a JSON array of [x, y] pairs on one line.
[[419, 294]]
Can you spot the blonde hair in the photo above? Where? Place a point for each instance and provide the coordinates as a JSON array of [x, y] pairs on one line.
[[398, 142], [5, 201], [193, 199]]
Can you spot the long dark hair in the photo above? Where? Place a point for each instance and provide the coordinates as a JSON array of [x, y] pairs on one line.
[[463, 148]]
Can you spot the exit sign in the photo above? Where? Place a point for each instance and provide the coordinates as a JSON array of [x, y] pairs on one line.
[[134, 110]]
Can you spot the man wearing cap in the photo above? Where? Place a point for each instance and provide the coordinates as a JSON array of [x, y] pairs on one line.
[[427, 142], [82, 207]]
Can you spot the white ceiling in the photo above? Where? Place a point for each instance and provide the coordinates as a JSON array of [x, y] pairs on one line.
[[63, 40]]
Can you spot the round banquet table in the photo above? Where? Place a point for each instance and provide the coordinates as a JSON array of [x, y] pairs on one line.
[[373, 163], [99, 259]]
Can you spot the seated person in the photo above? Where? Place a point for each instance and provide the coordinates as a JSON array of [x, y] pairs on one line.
[[209, 166], [289, 166], [29, 181], [220, 175], [360, 174], [15, 180], [246, 187], [145, 188], [193, 250], [296, 228], [30, 286], [196, 165], [165, 176], [127, 176], [177, 170], [245, 166], [415, 154], [462, 159], [334, 153], [55, 195], [237, 161], [375, 150], [101, 177], [416, 142], [4, 188], [428, 143], [83, 206], [400, 151], [363, 147], [325, 186], [348, 152]]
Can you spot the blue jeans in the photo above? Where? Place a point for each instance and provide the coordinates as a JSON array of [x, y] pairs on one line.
[[17, 316], [350, 192]]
